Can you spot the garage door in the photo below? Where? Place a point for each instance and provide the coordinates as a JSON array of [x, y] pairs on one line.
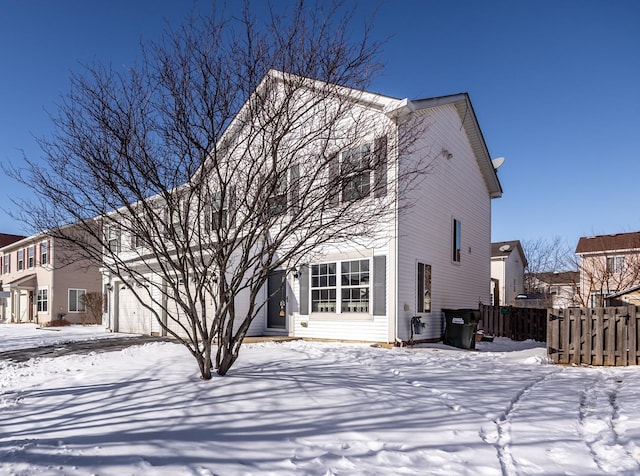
[[133, 317]]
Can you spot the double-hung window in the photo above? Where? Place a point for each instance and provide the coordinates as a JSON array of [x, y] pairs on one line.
[[615, 264], [31, 256], [278, 200], [356, 173], [44, 252], [323, 287], [113, 239], [76, 300], [341, 287], [43, 300], [355, 286], [221, 209], [6, 263], [20, 260]]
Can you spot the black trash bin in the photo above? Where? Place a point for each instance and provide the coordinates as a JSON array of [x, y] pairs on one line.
[[461, 327]]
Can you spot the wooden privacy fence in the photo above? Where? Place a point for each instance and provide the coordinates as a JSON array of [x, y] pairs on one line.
[[594, 336], [517, 323]]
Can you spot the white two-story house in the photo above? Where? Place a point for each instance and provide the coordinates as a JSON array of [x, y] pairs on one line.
[[432, 251]]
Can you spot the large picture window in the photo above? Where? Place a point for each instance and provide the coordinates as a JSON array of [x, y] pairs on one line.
[[424, 288], [341, 287], [76, 300]]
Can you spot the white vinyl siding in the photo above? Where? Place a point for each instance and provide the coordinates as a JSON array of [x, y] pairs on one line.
[[453, 189]]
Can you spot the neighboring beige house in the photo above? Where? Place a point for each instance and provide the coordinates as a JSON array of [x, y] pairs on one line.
[[37, 286], [627, 297], [609, 265], [508, 263]]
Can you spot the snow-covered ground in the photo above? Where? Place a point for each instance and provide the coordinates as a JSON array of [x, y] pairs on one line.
[[314, 408]]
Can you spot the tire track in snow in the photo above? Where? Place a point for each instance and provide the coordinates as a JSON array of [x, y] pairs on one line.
[[599, 418], [500, 436]]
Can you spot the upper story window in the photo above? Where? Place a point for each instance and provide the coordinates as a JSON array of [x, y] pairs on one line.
[[31, 256], [44, 252], [20, 260], [362, 172], [113, 239], [6, 264], [616, 264], [355, 171], [219, 212], [278, 201], [137, 241], [456, 241]]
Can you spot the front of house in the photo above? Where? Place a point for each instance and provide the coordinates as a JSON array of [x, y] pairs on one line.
[[433, 254]]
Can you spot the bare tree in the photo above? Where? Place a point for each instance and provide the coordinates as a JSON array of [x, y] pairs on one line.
[[93, 303], [606, 273], [545, 255], [215, 161]]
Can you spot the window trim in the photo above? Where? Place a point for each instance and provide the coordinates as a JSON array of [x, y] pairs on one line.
[[20, 257], [113, 238], [618, 264], [422, 286], [456, 240], [339, 288], [31, 256], [44, 252], [356, 172], [78, 304], [42, 297]]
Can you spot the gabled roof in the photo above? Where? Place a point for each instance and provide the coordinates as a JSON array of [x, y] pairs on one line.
[[609, 243], [502, 249], [7, 239], [394, 107]]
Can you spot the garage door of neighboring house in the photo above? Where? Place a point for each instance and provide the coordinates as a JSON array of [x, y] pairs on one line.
[[133, 317]]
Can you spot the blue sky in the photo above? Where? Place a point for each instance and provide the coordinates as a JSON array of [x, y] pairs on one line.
[[555, 86]]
